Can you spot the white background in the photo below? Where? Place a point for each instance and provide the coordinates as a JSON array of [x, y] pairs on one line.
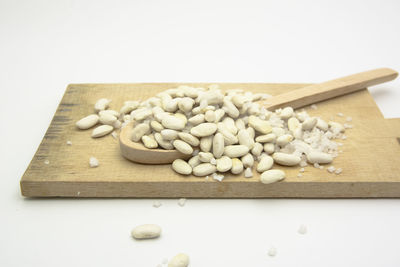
[[44, 45]]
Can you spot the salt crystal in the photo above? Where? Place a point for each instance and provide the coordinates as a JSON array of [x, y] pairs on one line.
[[93, 162], [218, 177], [303, 164], [349, 119], [248, 173], [299, 175], [47, 162], [114, 135], [302, 170], [331, 169], [272, 251], [316, 165], [321, 167], [182, 202], [78, 193], [340, 114], [347, 126], [313, 106], [338, 171], [302, 229], [157, 204], [344, 137], [69, 143]]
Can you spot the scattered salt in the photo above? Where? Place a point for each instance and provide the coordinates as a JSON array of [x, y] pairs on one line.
[[299, 175], [331, 169], [347, 126], [338, 171], [316, 165], [69, 143], [302, 229], [218, 177], [182, 202], [207, 177], [348, 119], [93, 162], [272, 251], [301, 170], [303, 164], [344, 137], [47, 162], [78, 193], [313, 106], [321, 167], [114, 135], [340, 114], [248, 173], [157, 204]]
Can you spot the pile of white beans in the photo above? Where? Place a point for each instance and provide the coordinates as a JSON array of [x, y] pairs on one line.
[[222, 131]]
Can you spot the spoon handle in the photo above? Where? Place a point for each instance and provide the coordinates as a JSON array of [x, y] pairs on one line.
[[322, 91]]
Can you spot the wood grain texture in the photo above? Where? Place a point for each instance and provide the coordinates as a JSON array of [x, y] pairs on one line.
[[370, 158]]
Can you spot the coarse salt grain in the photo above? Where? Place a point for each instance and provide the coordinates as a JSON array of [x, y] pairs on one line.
[[114, 135], [47, 162], [218, 177], [303, 164], [272, 252], [348, 119], [316, 165], [302, 229], [299, 175], [340, 114], [331, 169], [93, 162], [301, 170], [213, 161], [157, 204], [338, 171], [69, 143], [313, 106], [182, 202], [321, 167], [347, 126]]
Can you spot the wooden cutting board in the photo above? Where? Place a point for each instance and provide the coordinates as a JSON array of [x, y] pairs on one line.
[[370, 158]]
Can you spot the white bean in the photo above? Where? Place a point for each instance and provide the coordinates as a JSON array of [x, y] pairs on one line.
[[182, 167], [322, 125], [248, 160], [87, 122], [180, 260], [230, 109], [240, 125], [219, 113], [190, 139], [102, 131], [272, 176], [156, 126], [230, 125], [218, 145], [286, 113], [197, 119], [163, 143], [149, 142], [206, 143], [265, 163], [267, 138], [107, 119], [173, 123], [169, 134], [204, 169], [129, 106], [257, 149], [186, 104], [269, 148], [224, 164], [283, 140], [204, 129], [101, 104], [245, 139], [146, 231], [235, 151], [237, 166], [205, 156], [210, 116], [183, 147], [259, 125], [194, 161], [319, 157], [309, 124], [286, 159], [109, 112]]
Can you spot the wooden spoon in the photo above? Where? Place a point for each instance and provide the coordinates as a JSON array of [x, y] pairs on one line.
[[297, 98]]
